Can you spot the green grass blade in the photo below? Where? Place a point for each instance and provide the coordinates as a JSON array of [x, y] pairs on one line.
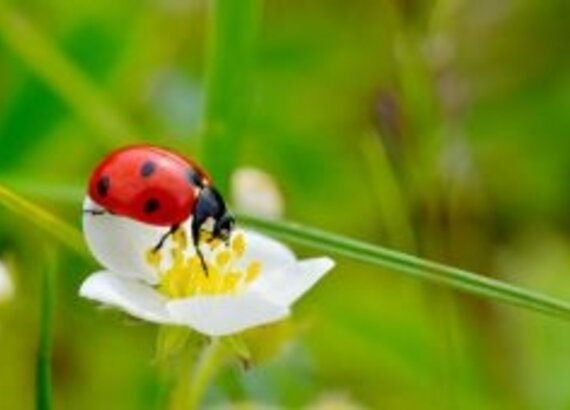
[[44, 374], [44, 220], [65, 79], [411, 265], [233, 31], [71, 195]]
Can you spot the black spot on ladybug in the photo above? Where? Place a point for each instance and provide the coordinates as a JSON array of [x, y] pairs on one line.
[[148, 169], [103, 186], [194, 178], [151, 205]]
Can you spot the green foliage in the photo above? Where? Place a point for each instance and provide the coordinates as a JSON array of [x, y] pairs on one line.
[[434, 128]]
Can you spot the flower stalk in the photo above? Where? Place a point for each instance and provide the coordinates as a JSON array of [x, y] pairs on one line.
[[43, 375], [211, 361]]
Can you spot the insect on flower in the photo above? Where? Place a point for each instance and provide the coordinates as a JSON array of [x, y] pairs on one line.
[[251, 279], [161, 188]]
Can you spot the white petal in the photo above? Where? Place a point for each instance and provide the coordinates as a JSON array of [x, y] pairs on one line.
[[271, 253], [284, 286], [136, 298], [120, 244], [225, 314]]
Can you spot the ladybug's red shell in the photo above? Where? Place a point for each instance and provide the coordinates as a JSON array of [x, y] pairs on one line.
[[148, 184]]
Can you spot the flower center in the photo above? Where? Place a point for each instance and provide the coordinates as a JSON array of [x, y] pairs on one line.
[[226, 273]]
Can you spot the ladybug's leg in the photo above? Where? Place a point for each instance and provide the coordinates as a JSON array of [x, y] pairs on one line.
[[164, 237], [196, 242], [201, 257], [95, 211]]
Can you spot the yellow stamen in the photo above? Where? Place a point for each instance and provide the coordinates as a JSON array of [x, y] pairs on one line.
[[223, 258], [174, 283], [215, 243], [179, 237], [252, 272], [238, 245], [195, 265], [186, 276], [177, 256], [230, 282], [153, 258], [205, 236]]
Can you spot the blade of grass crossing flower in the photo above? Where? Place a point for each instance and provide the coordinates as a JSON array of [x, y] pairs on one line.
[[44, 374], [49, 223], [60, 193], [413, 266]]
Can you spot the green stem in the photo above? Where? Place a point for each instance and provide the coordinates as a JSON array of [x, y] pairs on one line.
[[233, 31], [211, 360], [411, 265], [208, 365], [43, 376]]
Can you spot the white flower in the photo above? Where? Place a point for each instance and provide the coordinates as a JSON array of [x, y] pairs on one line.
[[253, 281], [256, 192], [6, 284]]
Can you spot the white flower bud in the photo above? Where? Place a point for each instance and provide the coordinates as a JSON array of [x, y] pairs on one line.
[[256, 192], [6, 284]]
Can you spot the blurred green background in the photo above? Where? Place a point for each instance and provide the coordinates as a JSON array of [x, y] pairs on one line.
[[440, 128]]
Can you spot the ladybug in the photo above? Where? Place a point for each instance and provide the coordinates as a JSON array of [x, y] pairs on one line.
[[162, 188]]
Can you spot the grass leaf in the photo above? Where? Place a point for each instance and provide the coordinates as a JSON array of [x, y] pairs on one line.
[[410, 265], [44, 220]]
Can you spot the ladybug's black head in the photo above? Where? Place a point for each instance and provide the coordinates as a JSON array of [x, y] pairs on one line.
[[211, 206]]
